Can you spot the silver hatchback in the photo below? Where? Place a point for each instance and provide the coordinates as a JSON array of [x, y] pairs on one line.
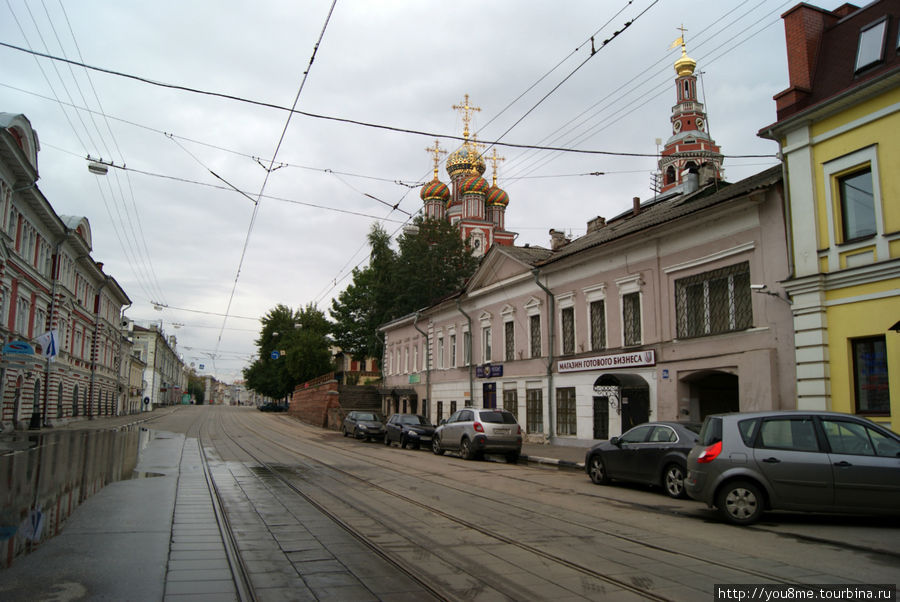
[[745, 464], [474, 432]]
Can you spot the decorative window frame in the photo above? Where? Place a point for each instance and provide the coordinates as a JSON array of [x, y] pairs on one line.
[[592, 294], [439, 337], [565, 301], [533, 308], [452, 341], [508, 314], [487, 337], [832, 171]]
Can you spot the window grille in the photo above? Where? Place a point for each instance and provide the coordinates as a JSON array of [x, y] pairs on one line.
[[598, 325], [534, 411], [535, 327], [568, 330], [511, 402], [510, 342], [631, 318], [565, 411], [714, 302]]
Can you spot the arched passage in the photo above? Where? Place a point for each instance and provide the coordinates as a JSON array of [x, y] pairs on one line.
[[713, 392], [627, 394]]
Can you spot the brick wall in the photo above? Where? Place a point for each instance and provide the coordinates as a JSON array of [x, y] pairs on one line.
[[310, 403]]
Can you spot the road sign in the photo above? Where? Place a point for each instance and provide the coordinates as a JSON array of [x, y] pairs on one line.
[[274, 355]]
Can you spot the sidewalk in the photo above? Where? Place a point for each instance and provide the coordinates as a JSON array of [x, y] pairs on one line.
[[564, 457]]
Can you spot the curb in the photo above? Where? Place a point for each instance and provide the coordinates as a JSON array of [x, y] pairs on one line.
[[560, 464]]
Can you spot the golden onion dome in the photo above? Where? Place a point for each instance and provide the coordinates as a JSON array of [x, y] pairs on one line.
[[685, 65], [465, 159]]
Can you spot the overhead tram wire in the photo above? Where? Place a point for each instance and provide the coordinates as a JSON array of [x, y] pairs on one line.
[[348, 121], [269, 172]]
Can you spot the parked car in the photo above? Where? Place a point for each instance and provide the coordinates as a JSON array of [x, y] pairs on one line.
[[272, 407], [363, 425], [408, 429], [654, 453], [474, 432], [794, 460]]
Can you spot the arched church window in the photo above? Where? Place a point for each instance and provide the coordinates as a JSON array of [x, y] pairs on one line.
[[670, 174]]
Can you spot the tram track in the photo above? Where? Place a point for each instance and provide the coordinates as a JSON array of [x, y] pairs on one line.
[[285, 477]]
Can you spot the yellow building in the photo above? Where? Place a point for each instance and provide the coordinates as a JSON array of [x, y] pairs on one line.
[[838, 125]]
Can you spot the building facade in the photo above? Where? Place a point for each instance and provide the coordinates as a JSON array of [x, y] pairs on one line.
[[837, 125], [164, 373], [60, 313]]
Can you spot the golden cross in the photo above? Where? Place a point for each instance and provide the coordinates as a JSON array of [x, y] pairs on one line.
[[437, 151], [466, 110], [493, 158]]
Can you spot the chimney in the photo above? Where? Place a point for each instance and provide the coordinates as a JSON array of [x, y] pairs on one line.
[[636, 205], [596, 224], [803, 28], [558, 239], [691, 182]]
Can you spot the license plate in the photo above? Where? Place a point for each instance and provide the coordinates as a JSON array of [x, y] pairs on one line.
[[501, 431]]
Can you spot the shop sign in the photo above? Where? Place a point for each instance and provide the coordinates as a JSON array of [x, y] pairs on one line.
[[608, 362], [18, 348], [414, 379], [489, 371]]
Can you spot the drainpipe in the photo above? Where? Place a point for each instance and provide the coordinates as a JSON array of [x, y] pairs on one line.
[[551, 319], [124, 363], [471, 363], [427, 362]]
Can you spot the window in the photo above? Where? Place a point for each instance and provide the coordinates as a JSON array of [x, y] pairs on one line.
[[23, 309], [638, 434], [467, 348], [452, 351], [870, 376], [598, 325], [415, 366], [565, 411], [871, 45], [486, 343], [511, 401], [509, 341], [797, 434], [568, 330], [452, 407], [406, 360], [631, 318], [714, 302], [534, 323], [857, 205], [440, 411], [440, 352], [534, 411], [663, 434]]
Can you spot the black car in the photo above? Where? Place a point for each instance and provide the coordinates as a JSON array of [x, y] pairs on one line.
[[272, 407], [654, 453], [408, 429], [363, 425]]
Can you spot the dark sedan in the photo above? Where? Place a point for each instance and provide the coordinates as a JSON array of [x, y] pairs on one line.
[[363, 425], [654, 453], [408, 429]]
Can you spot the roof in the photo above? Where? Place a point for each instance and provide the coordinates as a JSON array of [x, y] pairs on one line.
[[669, 209]]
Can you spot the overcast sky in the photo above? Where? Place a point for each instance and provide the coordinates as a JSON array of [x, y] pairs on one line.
[[174, 234]]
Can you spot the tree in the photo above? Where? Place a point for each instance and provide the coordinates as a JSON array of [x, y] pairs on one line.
[[301, 340]]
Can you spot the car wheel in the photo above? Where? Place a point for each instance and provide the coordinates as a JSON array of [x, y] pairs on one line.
[[597, 470], [466, 451], [436, 447], [740, 502], [387, 440], [512, 458], [403, 441], [673, 481]]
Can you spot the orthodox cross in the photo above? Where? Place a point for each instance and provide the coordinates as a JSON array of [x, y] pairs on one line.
[[467, 111], [437, 151], [493, 158]]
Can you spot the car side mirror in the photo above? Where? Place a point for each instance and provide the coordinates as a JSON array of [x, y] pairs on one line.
[[615, 441], [443, 422]]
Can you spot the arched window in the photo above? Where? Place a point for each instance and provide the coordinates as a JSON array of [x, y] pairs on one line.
[[59, 401], [75, 401], [670, 175]]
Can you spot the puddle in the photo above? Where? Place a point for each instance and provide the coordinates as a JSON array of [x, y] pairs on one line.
[[47, 476]]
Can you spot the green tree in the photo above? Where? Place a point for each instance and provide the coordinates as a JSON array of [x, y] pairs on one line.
[[301, 340]]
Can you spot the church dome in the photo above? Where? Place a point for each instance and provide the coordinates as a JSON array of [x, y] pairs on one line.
[[474, 185], [497, 196], [685, 65], [435, 190], [465, 159]]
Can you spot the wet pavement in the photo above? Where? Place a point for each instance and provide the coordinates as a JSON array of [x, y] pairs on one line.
[[161, 532]]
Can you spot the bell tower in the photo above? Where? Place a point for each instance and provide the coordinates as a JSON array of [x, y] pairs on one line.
[[690, 149]]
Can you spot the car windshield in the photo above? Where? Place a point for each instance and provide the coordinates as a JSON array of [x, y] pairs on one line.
[[711, 431], [412, 420], [366, 416], [498, 417]]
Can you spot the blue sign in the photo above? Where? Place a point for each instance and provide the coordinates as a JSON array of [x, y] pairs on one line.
[[274, 355], [18, 347], [489, 371]]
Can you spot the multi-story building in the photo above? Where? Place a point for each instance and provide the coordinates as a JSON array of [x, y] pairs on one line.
[[164, 373], [671, 310], [837, 126], [60, 313]]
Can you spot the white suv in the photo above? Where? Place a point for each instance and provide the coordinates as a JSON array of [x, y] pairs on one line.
[[474, 432]]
